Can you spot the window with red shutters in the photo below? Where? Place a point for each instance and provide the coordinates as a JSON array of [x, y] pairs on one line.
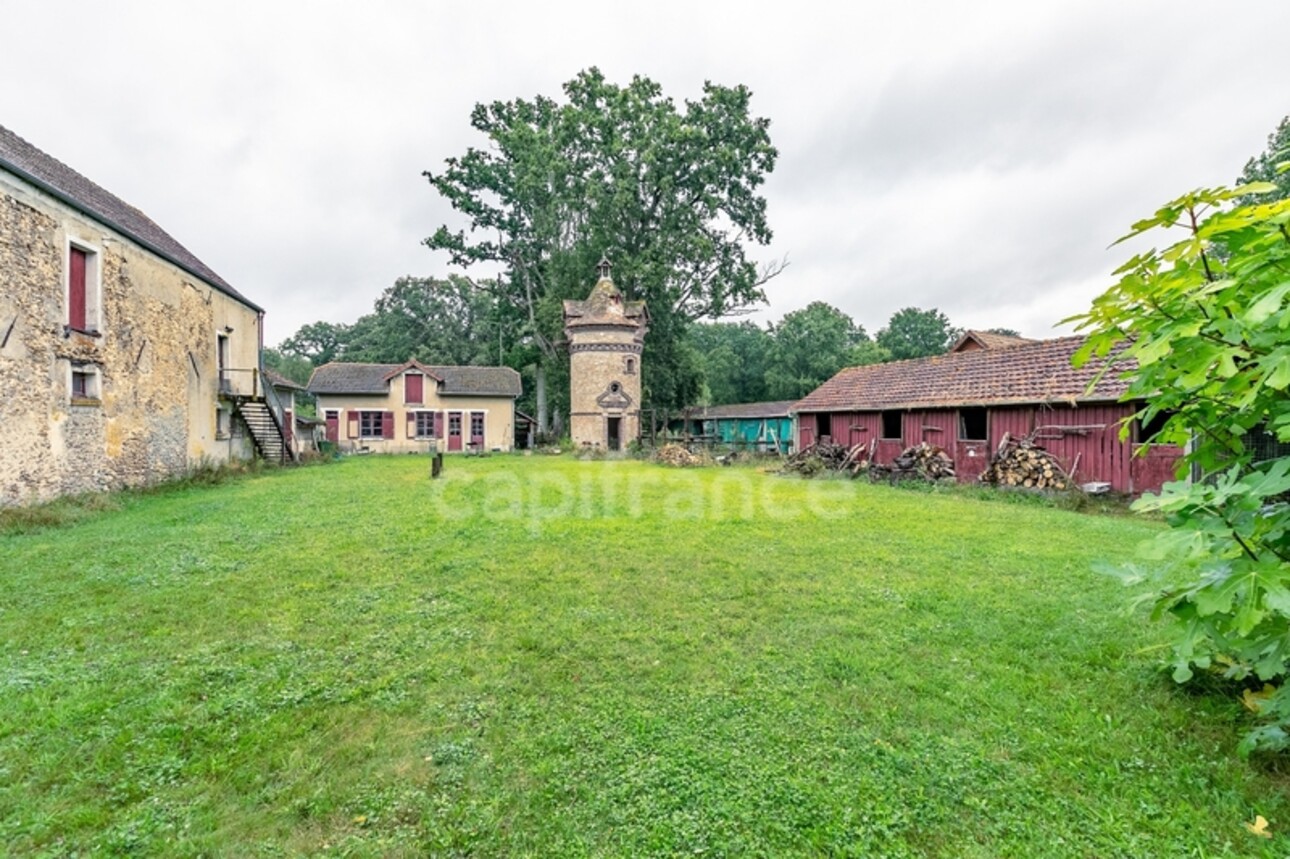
[[425, 424], [76, 269], [414, 388], [387, 424]]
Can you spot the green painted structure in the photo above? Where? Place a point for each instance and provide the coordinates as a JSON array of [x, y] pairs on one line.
[[746, 426]]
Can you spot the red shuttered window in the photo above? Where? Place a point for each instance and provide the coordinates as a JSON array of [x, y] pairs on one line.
[[387, 424], [414, 388], [76, 268]]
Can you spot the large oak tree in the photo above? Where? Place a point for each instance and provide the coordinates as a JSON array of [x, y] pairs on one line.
[[670, 193]]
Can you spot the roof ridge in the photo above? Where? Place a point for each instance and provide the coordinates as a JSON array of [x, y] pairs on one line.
[[60, 180]]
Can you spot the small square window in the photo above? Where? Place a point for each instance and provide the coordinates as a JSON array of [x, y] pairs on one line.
[[84, 384]]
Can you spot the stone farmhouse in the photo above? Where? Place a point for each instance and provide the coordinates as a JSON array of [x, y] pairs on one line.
[[986, 387], [414, 407], [124, 359]]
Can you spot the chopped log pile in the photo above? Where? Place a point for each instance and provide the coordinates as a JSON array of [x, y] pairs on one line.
[[822, 456], [1018, 462], [921, 462], [1022, 463], [677, 456]]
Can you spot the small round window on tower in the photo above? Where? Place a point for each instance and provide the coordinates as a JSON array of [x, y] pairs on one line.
[[615, 387]]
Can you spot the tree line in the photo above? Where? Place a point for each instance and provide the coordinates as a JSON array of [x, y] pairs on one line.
[[455, 320]]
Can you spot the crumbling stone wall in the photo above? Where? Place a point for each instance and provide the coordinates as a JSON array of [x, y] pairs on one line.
[[158, 392]]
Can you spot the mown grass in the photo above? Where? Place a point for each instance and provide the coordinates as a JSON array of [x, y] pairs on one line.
[[551, 657]]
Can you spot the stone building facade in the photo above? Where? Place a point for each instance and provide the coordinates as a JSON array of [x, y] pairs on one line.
[[606, 335], [122, 356]]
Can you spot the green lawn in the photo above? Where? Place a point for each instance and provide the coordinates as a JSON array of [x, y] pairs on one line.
[[550, 657]]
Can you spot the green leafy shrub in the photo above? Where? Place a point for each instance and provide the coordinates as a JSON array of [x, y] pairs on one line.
[[1204, 325]]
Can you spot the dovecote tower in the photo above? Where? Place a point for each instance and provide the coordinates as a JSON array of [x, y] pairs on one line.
[[606, 334]]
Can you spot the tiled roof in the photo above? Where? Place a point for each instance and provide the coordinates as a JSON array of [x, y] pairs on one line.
[[351, 378], [277, 380], [989, 340], [56, 178], [751, 411], [1035, 372], [604, 306]]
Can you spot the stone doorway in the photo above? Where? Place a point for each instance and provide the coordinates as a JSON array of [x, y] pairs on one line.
[[614, 433]]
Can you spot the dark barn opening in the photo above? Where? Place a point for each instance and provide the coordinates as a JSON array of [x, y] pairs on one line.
[[891, 425], [972, 424]]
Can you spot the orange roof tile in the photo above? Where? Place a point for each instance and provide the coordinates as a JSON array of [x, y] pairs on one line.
[[1038, 371]]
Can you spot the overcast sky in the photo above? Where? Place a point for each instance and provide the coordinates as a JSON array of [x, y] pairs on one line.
[[971, 156]]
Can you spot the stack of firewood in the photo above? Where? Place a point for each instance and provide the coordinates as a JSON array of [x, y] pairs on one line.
[[1022, 463], [818, 457], [921, 462]]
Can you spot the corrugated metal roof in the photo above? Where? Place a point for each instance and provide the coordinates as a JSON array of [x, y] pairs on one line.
[[53, 176], [354, 378], [750, 411], [1035, 372]]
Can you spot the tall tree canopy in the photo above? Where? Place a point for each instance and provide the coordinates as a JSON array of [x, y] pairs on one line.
[[669, 194], [449, 321], [915, 333], [812, 344], [316, 342], [734, 357], [1263, 167]]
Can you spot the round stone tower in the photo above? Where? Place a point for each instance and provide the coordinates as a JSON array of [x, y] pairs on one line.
[[605, 334]]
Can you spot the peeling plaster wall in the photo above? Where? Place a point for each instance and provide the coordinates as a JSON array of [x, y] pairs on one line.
[[155, 355]]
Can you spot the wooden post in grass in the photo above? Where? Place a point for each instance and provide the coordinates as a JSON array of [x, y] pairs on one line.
[[436, 465]]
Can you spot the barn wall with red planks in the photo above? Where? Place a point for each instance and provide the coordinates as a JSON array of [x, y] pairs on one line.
[[1084, 436]]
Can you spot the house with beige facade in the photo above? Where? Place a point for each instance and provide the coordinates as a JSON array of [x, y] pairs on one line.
[[416, 408], [124, 359]]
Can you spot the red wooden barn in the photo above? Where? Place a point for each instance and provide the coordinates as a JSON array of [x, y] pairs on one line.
[[986, 386]]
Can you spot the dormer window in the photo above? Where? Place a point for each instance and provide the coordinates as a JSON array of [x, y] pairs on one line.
[[414, 388]]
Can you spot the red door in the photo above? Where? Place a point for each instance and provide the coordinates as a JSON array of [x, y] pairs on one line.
[[477, 430], [454, 430], [333, 426]]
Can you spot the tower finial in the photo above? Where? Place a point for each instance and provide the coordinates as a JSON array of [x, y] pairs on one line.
[[604, 267]]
